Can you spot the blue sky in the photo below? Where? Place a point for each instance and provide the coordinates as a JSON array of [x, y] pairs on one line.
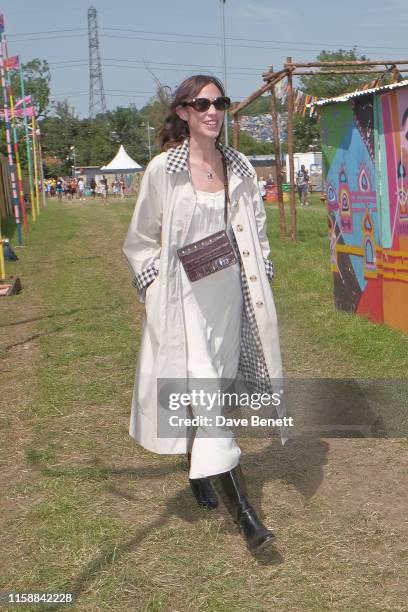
[[176, 38]]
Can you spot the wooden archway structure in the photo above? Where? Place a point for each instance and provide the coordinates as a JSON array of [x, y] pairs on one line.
[[289, 70]]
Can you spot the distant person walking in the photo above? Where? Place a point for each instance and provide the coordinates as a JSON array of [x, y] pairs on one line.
[[59, 189], [93, 187], [122, 186], [302, 182], [72, 188], [81, 189], [269, 181], [104, 187], [262, 187]]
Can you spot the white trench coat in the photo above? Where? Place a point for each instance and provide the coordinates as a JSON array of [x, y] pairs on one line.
[[159, 226]]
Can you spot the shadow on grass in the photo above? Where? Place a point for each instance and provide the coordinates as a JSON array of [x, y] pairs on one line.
[[54, 314], [300, 463]]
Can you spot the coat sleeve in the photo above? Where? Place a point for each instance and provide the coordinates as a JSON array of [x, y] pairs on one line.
[[261, 223], [142, 246]]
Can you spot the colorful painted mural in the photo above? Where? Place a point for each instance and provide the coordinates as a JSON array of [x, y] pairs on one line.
[[365, 157]]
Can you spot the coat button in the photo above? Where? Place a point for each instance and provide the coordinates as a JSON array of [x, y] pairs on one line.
[[239, 228], [253, 278], [259, 304], [245, 253]]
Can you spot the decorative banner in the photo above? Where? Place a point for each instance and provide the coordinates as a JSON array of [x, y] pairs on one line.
[[29, 112], [22, 101], [12, 63], [1, 23], [300, 99]]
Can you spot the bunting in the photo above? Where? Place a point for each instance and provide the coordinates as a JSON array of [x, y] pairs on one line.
[[301, 101]]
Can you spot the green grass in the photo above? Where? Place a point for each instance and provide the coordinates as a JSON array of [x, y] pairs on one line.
[[87, 510]]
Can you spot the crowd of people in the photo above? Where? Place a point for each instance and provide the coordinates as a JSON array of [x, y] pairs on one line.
[[67, 188]]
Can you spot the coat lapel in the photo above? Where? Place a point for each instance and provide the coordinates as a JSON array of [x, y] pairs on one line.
[[238, 167]]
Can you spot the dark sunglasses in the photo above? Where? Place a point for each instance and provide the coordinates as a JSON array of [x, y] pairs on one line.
[[203, 104]]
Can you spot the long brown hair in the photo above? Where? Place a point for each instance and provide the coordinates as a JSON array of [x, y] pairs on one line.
[[174, 130]]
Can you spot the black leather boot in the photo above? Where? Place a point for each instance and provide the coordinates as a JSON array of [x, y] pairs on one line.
[[203, 490], [234, 494]]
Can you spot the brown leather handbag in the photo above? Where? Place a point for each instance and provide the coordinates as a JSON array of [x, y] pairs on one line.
[[210, 254]]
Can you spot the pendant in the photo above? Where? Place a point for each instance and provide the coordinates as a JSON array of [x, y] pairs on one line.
[[210, 174]]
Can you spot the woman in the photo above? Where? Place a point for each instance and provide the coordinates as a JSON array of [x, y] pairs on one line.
[[208, 329]]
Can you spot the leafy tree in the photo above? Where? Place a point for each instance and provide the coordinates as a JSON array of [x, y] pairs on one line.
[[249, 146], [96, 141], [155, 110], [94, 145], [36, 77], [128, 128], [336, 84], [153, 113], [306, 134], [59, 133]]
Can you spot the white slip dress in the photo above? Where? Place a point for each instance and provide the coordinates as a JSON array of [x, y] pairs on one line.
[[212, 308]]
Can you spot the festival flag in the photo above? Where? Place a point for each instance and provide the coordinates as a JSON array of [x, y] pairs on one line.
[[19, 113], [30, 111], [12, 63], [21, 101], [1, 23]]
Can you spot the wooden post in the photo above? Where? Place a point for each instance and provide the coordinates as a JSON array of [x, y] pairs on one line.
[[293, 228], [276, 146], [235, 135]]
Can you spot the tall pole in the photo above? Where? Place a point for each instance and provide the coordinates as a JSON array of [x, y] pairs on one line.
[[15, 136], [293, 230], [276, 146], [74, 160], [235, 134], [224, 65], [13, 176], [40, 157], [27, 139], [37, 195], [2, 266], [148, 140]]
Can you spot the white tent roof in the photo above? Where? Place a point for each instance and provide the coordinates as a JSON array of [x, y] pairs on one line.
[[122, 162]]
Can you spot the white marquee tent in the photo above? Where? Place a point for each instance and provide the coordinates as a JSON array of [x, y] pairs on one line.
[[123, 163]]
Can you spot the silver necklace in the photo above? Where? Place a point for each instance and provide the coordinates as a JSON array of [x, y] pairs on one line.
[[210, 173]]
